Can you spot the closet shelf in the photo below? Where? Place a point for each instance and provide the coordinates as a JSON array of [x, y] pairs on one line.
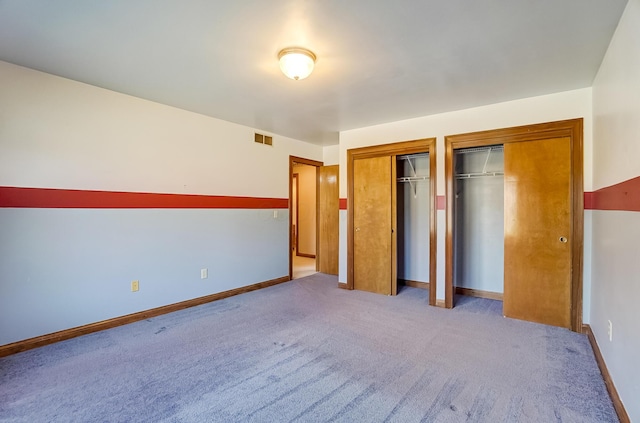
[[478, 175], [477, 149], [412, 178], [413, 156]]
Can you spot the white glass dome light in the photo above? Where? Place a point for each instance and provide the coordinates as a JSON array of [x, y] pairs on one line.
[[296, 63]]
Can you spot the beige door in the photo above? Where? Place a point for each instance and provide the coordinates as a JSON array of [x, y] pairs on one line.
[[538, 219], [372, 224], [328, 220]]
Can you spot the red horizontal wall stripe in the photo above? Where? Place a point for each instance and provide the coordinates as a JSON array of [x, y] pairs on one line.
[[81, 199], [588, 200], [623, 196]]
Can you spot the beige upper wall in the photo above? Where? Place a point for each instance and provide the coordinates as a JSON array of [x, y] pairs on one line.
[[548, 108], [59, 133], [616, 106], [331, 155]]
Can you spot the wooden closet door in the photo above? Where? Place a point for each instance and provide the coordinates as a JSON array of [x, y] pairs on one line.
[[328, 220], [538, 224], [372, 216]]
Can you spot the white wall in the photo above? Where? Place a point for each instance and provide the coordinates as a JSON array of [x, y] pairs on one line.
[[616, 234], [61, 268], [554, 107]]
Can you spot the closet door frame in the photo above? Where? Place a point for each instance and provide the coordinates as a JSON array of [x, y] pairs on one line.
[[427, 145], [572, 129]]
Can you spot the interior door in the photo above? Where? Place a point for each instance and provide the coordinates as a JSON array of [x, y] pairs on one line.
[[328, 220], [538, 224], [294, 212], [372, 225]]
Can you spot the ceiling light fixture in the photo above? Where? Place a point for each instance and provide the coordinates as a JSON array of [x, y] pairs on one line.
[[296, 63]]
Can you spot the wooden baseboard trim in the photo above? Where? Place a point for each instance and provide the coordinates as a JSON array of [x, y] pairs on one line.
[[613, 392], [414, 284], [478, 293], [342, 285], [441, 303], [51, 338], [305, 255]]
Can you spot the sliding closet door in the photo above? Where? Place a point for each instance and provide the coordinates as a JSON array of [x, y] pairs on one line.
[[372, 223], [538, 224]]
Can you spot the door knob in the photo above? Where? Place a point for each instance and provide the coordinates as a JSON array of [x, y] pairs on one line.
[[563, 239], [357, 229]]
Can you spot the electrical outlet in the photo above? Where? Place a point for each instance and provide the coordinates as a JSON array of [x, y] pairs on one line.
[[610, 330], [275, 214], [204, 273], [135, 286]]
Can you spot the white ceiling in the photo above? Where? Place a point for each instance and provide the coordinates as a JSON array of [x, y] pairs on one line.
[[378, 61]]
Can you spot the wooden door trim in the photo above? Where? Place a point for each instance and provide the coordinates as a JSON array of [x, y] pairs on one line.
[[433, 240], [394, 227], [302, 160], [573, 129], [426, 145]]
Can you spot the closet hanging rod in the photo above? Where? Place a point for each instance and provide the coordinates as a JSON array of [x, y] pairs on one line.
[[478, 175], [412, 178], [412, 156]]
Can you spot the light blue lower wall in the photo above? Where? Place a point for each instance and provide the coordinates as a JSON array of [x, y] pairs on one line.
[[342, 249], [615, 289], [586, 268], [62, 268]]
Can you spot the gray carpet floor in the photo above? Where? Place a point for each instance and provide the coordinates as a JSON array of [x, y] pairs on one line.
[[308, 351]]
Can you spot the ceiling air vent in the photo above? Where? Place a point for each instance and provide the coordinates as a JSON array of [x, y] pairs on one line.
[[263, 139]]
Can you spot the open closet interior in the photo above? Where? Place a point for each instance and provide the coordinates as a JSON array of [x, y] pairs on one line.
[[478, 254], [413, 202]]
